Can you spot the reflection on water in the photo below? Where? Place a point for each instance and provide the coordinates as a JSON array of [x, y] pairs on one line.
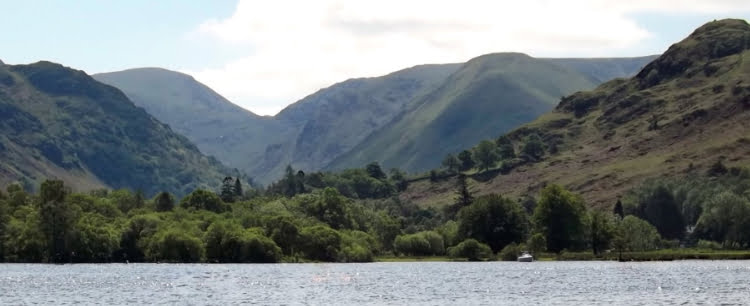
[[492, 283]]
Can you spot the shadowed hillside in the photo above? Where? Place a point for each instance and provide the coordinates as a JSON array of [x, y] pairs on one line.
[[59, 122]]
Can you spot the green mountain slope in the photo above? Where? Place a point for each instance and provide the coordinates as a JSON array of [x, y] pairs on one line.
[[60, 122], [320, 128], [219, 128], [307, 134], [681, 114], [334, 120], [487, 96]]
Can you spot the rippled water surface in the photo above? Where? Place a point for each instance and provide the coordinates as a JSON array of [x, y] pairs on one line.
[[491, 283]]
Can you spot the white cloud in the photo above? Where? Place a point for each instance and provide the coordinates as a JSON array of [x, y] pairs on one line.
[[295, 47]]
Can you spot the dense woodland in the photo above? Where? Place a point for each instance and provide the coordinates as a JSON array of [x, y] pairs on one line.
[[356, 215]]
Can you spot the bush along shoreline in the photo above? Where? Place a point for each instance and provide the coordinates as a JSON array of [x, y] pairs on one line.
[[357, 216]]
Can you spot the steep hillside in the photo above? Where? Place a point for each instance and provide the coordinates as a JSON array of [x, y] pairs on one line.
[[681, 114], [333, 120], [487, 96], [60, 122], [219, 128]]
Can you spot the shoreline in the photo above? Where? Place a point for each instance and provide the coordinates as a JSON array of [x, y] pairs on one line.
[[658, 255]]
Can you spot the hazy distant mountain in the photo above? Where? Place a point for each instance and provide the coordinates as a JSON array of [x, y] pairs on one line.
[[56, 122], [600, 70]]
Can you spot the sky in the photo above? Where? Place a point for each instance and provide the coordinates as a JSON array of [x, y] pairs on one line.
[[265, 55]]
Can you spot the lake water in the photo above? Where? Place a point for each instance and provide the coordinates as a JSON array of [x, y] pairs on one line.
[[426, 283]]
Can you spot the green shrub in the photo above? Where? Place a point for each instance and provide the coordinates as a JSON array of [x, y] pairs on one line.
[[320, 243], [707, 244], [537, 243], [229, 242], [510, 252], [202, 199], [470, 249], [420, 244], [175, 245]]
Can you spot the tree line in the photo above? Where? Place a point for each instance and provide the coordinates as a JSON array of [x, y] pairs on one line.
[[356, 215]]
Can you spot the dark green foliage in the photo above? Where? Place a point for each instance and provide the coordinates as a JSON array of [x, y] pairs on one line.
[[134, 237], [175, 245], [618, 210], [238, 193], [94, 239], [635, 234], [510, 252], [485, 155], [4, 218], [467, 162], [661, 209], [284, 232], [124, 199], [420, 244], [228, 242], [227, 190], [433, 176], [203, 199], [536, 244], [560, 217], [353, 183], [451, 163], [533, 148], [601, 231], [357, 246], [505, 148], [493, 220], [463, 196], [470, 249], [164, 201], [386, 229], [290, 185], [331, 208], [56, 219], [726, 219], [399, 179], [374, 170], [320, 243]]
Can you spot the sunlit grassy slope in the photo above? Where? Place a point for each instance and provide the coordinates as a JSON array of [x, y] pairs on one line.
[[698, 93]]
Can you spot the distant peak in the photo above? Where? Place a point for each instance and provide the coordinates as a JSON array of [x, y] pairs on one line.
[[151, 70], [1, 63], [716, 26], [504, 55]]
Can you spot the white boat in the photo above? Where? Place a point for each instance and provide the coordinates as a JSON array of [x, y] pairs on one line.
[[525, 257]]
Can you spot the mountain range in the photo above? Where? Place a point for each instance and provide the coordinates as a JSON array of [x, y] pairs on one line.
[[362, 120], [684, 113]]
